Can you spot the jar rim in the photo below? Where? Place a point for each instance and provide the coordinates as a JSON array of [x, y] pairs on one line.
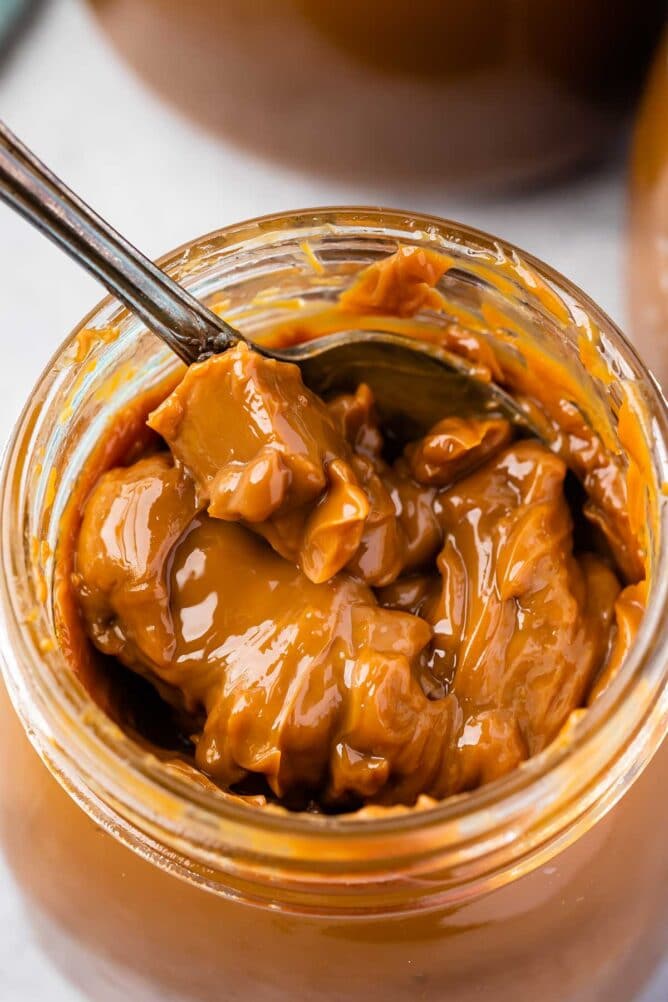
[[634, 707]]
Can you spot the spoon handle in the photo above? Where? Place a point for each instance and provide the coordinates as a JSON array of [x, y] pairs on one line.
[[186, 325]]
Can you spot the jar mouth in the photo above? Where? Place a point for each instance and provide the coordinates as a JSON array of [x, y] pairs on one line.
[[132, 792]]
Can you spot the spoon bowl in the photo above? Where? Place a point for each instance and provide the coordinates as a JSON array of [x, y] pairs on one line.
[[394, 366]]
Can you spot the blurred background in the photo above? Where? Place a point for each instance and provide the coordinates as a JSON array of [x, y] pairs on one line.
[[522, 117]]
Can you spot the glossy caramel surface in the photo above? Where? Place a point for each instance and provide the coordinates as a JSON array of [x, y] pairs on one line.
[[338, 626]]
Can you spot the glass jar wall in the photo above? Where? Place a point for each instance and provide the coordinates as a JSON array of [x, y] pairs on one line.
[[140, 882]]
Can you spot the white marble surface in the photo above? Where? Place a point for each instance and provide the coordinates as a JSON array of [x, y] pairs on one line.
[[160, 181]]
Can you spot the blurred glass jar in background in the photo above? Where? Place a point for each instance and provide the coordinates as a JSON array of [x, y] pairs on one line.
[[476, 93], [648, 261]]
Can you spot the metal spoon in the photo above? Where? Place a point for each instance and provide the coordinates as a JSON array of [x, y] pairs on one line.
[[415, 383]]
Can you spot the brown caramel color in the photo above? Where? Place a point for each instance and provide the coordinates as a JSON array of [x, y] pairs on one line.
[[582, 919], [580, 928], [648, 250], [236, 573]]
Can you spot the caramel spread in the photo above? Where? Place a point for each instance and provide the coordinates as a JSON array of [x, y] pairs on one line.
[[342, 626]]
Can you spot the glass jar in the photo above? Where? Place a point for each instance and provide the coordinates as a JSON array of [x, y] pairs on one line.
[[648, 247], [477, 93], [142, 883]]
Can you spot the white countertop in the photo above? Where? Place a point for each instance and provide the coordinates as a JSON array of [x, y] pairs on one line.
[[160, 181]]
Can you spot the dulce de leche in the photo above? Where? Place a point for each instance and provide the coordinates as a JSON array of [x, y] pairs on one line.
[[340, 622]]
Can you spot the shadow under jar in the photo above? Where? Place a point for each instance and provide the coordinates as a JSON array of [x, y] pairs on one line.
[[139, 882], [480, 93]]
